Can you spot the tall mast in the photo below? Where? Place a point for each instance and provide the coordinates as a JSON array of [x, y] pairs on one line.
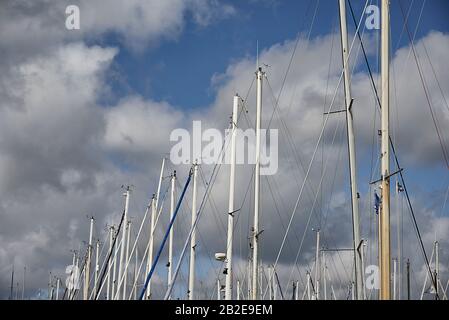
[[128, 234], [97, 264], [229, 244], [123, 241], [111, 242], [384, 227], [135, 273], [308, 284], [257, 186], [317, 266], [352, 158], [193, 237], [159, 184], [170, 241], [57, 288], [151, 243], [88, 262], [154, 210]]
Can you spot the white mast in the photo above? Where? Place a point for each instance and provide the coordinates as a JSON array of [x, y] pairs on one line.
[[57, 288], [154, 210], [170, 241], [384, 227], [351, 148], [108, 284], [151, 243], [135, 273], [256, 185], [317, 266], [238, 290], [122, 249], [297, 290], [128, 231], [229, 244], [114, 270], [160, 182], [88, 262], [97, 265], [308, 284], [193, 238]]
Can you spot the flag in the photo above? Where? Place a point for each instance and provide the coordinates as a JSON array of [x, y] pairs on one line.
[[376, 203]]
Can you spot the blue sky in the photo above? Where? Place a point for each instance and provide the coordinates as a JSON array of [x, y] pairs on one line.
[[189, 62], [79, 143], [180, 71]]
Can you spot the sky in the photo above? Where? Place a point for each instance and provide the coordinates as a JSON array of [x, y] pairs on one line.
[[86, 111]]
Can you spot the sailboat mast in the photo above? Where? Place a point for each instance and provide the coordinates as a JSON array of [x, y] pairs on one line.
[[123, 241], [125, 272], [97, 264], [193, 237], [229, 242], [384, 227], [151, 243], [57, 288], [111, 242], [159, 184], [352, 156], [88, 262], [317, 266], [257, 186], [170, 240], [154, 210]]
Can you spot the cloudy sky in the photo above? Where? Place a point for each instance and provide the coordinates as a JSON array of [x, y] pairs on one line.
[[84, 112]]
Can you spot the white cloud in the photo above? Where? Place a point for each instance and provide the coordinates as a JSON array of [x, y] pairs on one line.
[[58, 146], [135, 125]]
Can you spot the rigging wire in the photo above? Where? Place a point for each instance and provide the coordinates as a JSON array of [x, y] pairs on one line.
[[314, 152], [415, 224], [426, 90]]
